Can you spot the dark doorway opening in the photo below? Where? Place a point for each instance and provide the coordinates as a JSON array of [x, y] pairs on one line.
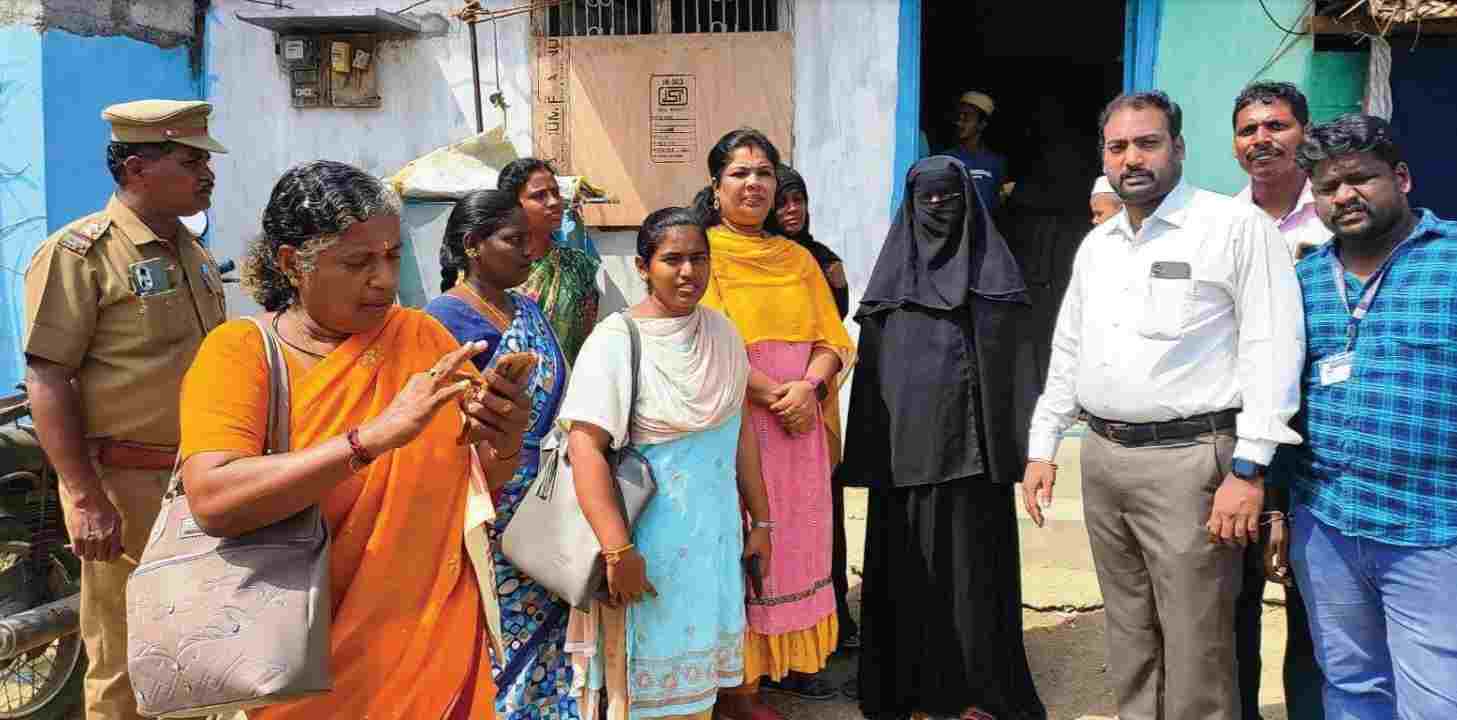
[[1050, 68]]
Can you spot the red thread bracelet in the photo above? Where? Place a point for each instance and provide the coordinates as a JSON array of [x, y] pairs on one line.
[[359, 457]]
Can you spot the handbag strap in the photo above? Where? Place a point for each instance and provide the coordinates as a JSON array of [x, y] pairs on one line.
[[634, 339], [279, 407]]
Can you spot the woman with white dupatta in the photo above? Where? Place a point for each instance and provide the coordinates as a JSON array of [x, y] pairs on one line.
[[671, 633]]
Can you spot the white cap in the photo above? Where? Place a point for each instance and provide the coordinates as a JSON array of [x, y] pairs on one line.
[[1101, 185]]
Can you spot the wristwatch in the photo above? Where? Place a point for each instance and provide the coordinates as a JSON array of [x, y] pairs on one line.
[[1246, 469], [821, 389]]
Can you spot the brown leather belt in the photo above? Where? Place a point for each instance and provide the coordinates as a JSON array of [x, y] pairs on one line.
[[1135, 434], [134, 455]]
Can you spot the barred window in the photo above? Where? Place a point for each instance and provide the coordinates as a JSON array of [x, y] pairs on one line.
[[720, 16], [580, 18], [584, 18]]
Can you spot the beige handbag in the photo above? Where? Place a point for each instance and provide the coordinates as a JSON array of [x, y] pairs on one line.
[[221, 624], [549, 537]]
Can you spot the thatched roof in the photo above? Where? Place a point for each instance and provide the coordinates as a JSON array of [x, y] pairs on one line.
[[1387, 12], [1384, 16], [1405, 11]]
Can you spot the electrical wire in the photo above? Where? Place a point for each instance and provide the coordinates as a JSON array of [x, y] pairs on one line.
[[1277, 24]]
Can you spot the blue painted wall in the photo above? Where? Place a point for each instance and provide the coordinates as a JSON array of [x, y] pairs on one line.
[[1142, 19], [82, 76], [908, 98], [53, 86], [22, 185]]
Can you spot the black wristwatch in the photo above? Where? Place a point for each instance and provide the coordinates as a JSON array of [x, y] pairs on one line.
[[822, 389], [1246, 469]]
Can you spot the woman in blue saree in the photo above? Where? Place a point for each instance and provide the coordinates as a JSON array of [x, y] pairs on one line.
[[671, 633], [484, 253]]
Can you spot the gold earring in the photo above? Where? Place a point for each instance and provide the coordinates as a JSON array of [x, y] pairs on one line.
[[715, 202], [472, 253]]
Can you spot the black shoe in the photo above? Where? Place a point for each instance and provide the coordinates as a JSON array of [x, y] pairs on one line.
[[851, 689], [809, 687]]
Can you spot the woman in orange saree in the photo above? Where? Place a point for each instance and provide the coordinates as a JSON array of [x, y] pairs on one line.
[[374, 393]]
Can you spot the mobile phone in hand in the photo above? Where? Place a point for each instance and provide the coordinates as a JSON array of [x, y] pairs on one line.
[[756, 575]]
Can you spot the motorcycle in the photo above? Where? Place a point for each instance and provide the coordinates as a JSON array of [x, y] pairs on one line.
[[42, 660]]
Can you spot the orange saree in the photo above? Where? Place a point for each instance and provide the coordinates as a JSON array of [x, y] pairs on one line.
[[407, 637]]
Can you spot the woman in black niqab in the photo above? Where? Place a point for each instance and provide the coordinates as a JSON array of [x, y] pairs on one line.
[[937, 429]]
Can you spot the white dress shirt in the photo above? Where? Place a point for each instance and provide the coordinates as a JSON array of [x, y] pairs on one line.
[[1131, 347], [1301, 227]]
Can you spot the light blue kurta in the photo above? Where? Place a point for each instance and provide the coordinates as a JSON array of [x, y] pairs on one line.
[[686, 643]]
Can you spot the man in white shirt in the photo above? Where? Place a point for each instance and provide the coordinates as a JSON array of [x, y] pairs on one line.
[[1182, 337], [1269, 124]]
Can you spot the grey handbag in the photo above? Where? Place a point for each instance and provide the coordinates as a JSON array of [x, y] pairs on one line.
[[549, 538], [221, 624]]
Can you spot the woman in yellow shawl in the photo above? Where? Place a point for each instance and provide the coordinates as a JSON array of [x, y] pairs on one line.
[[773, 291], [374, 441]]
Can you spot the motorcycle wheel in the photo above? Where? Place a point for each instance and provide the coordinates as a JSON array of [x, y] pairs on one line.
[[45, 683]]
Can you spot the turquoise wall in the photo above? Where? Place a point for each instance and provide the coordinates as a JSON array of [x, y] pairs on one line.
[[22, 184], [1208, 51], [53, 86], [83, 75]]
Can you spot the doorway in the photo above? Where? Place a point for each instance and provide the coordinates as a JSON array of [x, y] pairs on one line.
[[1050, 68]]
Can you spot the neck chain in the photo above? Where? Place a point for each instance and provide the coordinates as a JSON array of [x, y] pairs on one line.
[[746, 233], [494, 314], [279, 333]]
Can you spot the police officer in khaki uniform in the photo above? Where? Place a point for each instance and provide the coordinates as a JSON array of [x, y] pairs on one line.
[[116, 305]]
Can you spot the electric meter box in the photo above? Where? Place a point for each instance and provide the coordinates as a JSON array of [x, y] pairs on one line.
[[299, 56]]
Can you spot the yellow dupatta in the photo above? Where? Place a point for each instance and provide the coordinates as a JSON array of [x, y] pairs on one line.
[[772, 289]]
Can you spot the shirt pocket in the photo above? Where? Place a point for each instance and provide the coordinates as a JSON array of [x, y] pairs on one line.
[[1422, 322], [1165, 308], [167, 317]]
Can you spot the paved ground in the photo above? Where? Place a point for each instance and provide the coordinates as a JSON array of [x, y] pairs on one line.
[[1062, 616]]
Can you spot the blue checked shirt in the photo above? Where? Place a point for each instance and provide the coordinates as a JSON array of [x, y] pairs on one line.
[[1380, 453]]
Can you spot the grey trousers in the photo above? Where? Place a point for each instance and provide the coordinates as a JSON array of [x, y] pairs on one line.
[[1169, 593]]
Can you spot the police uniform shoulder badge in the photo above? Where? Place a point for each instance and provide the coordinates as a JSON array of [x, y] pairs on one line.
[[81, 236]]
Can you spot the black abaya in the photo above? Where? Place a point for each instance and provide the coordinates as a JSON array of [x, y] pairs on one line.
[[937, 430]]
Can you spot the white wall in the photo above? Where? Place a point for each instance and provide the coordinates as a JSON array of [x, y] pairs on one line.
[[425, 82], [844, 83], [844, 124]]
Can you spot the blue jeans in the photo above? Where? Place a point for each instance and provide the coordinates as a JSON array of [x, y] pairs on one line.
[[1383, 621]]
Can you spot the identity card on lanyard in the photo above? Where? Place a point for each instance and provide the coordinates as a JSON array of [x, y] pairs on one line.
[[1337, 368]]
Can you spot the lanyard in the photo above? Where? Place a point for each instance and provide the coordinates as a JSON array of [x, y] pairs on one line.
[[1368, 296]]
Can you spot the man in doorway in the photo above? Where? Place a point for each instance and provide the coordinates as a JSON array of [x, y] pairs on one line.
[[116, 305], [1374, 530], [988, 169], [1269, 124], [1181, 336]]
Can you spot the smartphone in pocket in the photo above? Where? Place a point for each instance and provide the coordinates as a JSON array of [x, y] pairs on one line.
[[1169, 283]]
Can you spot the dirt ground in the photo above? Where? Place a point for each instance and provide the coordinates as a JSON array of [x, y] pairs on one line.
[[1062, 618]]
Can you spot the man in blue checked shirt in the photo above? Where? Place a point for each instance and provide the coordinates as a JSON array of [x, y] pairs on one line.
[[1374, 535]]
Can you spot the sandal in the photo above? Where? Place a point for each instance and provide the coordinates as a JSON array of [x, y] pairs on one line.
[[809, 687]]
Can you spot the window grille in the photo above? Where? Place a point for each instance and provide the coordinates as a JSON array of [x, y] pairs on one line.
[[583, 18], [579, 18], [724, 16]]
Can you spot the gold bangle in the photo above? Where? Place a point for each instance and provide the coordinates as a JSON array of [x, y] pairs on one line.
[[615, 556], [1048, 463]]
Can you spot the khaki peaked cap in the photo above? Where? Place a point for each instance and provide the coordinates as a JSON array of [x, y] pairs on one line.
[[159, 121]]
